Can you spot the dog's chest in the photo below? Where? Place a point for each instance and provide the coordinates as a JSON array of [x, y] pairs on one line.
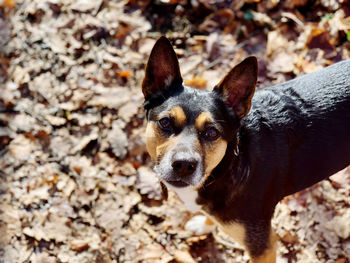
[[188, 196]]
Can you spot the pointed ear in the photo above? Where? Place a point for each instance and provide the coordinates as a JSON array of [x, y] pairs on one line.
[[238, 86], [162, 69]]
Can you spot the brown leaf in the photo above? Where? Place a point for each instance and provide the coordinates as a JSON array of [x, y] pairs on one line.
[[125, 74], [319, 38], [290, 238], [8, 3], [219, 19], [79, 245], [196, 83], [295, 3]]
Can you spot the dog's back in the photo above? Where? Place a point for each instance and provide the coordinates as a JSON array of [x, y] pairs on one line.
[[301, 129]]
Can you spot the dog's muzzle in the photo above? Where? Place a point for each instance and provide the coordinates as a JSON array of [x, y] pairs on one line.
[[181, 167]]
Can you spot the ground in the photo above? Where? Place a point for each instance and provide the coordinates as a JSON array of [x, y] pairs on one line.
[[76, 183]]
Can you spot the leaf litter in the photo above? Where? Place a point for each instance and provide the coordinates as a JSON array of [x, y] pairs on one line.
[[76, 183]]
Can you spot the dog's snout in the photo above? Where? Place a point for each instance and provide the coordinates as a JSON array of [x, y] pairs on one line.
[[184, 167]]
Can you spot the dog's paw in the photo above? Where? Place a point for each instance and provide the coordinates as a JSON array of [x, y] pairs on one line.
[[200, 225]]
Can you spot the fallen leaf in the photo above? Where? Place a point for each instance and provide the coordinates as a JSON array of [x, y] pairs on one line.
[[86, 5], [21, 147], [124, 74], [79, 245], [196, 83], [319, 38], [112, 98], [127, 111], [148, 184], [7, 3], [118, 141], [183, 257], [341, 225], [55, 121]]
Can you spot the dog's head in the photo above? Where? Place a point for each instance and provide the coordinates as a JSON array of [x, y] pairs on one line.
[[188, 130]]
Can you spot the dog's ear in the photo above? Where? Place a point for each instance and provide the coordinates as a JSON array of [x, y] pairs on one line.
[[238, 86], [162, 70]]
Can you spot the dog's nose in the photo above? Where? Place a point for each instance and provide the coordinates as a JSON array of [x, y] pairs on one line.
[[184, 167]]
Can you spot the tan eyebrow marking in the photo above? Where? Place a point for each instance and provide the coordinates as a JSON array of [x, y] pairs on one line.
[[156, 144], [202, 119], [179, 115]]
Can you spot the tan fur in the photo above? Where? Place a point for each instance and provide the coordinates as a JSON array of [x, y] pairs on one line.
[[202, 119], [214, 151], [156, 145], [152, 139], [165, 146], [234, 230], [238, 233], [179, 116], [269, 256], [213, 154]]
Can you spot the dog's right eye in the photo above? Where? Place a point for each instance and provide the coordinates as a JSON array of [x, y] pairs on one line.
[[164, 124], [211, 134]]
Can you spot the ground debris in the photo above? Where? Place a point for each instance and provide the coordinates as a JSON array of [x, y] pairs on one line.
[[75, 178]]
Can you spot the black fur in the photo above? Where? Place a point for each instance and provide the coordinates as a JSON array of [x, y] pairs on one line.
[[194, 102], [295, 135]]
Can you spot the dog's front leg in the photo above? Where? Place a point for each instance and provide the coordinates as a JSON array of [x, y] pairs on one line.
[[257, 237], [269, 255], [261, 243]]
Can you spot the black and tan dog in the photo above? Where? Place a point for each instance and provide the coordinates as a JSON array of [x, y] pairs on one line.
[[234, 153]]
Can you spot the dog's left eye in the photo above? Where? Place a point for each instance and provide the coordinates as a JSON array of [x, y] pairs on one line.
[[164, 124], [211, 134]]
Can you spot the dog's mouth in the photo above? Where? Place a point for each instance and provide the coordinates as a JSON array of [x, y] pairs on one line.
[[180, 169], [177, 183]]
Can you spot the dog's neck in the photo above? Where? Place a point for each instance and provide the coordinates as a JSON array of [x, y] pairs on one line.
[[227, 180], [233, 163]]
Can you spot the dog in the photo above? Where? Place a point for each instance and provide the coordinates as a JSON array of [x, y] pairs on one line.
[[233, 152]]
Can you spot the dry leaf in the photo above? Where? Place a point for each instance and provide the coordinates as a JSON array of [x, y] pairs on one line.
[[196, 83], [183, 257], [148, 184], [112, 98], [55, 121], [124, 74], [79, 245], [118, 141], [21, 147], [71, 108], [86, 5], [319, 38], [7, 3]]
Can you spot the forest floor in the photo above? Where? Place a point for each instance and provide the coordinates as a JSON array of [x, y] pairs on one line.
[[76, 183]]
